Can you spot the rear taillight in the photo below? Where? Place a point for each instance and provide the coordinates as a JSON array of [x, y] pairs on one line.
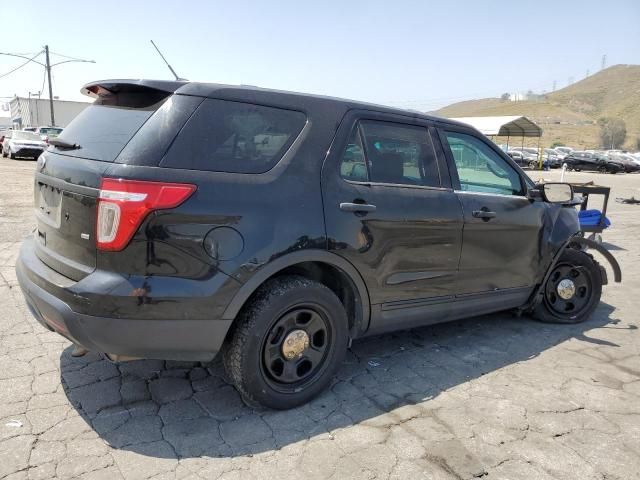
[[123, 205]]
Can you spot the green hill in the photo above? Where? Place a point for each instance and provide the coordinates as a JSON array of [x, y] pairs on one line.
[[569, 115]]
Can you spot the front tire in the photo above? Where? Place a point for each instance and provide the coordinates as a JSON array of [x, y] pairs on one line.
[[12, 156], [572, 291], [287, 343]]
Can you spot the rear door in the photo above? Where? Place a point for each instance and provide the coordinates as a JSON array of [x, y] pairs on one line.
[[390, 210], [502, 227]]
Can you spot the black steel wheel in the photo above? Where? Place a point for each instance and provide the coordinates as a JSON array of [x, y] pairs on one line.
[[296, 347], [287, 343], [572, 290]]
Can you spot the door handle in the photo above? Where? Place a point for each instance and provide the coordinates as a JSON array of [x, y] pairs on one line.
[[357, 207], [484, 214]]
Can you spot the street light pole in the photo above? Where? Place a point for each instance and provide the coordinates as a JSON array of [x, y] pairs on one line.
[[48, 67]]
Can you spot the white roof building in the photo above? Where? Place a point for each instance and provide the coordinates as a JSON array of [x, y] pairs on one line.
[[34, 112], [503, 126]]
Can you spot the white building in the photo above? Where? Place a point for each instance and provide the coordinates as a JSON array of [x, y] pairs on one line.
[[34, 112]]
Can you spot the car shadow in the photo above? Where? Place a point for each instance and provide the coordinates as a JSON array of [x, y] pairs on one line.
[[171, 409]]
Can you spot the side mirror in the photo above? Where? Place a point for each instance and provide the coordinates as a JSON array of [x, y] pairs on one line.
[[557, 192]]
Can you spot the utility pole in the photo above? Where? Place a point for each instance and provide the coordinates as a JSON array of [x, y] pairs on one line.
[[48, 67], [604, 62]]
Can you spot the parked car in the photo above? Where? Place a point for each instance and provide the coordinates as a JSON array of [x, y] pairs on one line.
[[519, 158], [564, 151], [277, 227], [551, 158], [3, 134], [19, 143], [592, 161], [48, 132], [629, 163], [524, 158]]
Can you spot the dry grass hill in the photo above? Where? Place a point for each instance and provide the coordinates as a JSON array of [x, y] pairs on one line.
[[569, 115]]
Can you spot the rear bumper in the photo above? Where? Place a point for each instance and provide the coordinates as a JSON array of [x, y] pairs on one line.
[[30, 152], [179, 339]]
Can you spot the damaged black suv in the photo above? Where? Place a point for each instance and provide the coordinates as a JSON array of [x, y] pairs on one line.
[[180, 220]]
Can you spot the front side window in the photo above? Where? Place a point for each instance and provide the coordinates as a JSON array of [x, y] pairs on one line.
[[226, 136], [383, 152], [480, 169]]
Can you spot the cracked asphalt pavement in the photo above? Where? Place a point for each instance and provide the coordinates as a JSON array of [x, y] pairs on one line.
[[497, 397]]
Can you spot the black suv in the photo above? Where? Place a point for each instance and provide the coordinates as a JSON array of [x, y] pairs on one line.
[[592, 161], [177, 220]]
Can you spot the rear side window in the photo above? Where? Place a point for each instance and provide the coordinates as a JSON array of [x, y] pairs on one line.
[[225, 136], [393, 153]]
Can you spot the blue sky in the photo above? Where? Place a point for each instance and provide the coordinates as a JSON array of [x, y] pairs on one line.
[[413, 54]]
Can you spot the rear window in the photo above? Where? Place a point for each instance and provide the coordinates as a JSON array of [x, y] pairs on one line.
[[50, 131], [226, 136], [26, 135], [102, 131]]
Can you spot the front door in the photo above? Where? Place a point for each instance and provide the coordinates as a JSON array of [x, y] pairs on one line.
[[390, 210], [502, 226]]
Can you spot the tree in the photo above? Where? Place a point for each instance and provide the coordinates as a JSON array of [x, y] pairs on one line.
[[557, 144], [505, 97], [613, 132]]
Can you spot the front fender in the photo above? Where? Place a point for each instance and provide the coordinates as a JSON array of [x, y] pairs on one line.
[[615, 266], [572, 241]]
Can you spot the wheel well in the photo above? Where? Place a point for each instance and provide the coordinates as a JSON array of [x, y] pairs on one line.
[[338, 282]]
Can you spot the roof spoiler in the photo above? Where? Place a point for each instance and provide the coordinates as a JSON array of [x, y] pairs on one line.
[[104, 88]]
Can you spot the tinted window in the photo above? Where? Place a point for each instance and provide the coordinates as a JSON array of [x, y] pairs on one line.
[[151, 142], [354, 165], [395, 153], [480, 168], [51, 131], [226, 136], [102, 131]]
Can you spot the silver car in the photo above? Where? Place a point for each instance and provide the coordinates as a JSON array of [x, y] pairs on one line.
[[23, 144]]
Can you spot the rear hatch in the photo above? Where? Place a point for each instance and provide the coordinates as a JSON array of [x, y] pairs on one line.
[[69, 174]]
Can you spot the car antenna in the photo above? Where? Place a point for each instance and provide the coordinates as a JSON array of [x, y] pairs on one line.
[[165, 61]]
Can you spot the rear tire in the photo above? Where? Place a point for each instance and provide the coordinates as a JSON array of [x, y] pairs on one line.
[[267, 357], [13, 156], [575, 271]]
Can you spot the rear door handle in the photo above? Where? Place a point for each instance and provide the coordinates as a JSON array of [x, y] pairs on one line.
[[357, 207], [486, 215]]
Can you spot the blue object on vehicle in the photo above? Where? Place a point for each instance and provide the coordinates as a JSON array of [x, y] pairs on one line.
[[591, 218]]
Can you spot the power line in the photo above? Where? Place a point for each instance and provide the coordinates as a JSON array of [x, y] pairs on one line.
[[21, 65], [67, 56]]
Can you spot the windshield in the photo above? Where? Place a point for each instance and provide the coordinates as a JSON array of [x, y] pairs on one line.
[[25, 136]]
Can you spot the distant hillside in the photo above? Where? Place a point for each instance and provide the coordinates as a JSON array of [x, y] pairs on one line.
[[569, 115]]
